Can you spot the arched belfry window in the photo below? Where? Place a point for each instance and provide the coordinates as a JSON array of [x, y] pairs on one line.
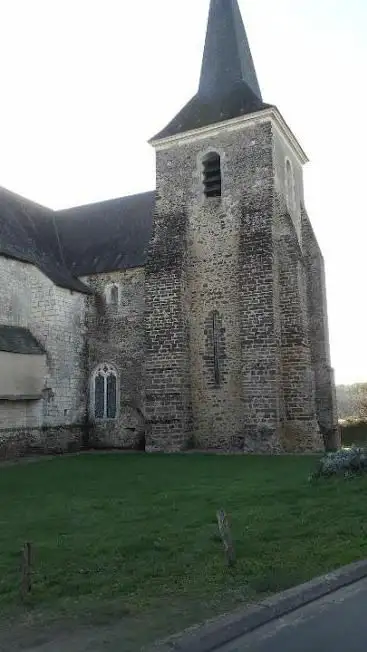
[[212, 175], [289, 186], [104, 392]]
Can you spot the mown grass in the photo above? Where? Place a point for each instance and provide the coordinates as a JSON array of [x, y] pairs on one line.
[[140, 531]]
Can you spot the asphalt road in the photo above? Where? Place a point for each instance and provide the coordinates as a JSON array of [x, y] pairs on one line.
[[337, 622]]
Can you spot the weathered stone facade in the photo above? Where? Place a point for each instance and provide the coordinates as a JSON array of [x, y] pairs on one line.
[[325, 392], [116, 337], [57, 421], [220, 342], [246, 256], [196, 315], [78, 332]]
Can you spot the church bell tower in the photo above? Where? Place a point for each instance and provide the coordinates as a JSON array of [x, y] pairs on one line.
[[235, 356]]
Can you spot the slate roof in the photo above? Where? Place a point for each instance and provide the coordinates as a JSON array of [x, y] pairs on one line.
[[228, 82], [106, 236], [28, 233], [91, 239], [15, 339], [227, 59], [202, 111]]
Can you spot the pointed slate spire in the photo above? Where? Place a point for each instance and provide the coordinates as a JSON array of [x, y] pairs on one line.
[[228, 84], [227, 57]]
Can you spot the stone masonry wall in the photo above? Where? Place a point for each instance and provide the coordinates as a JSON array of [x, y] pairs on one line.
[[241, 257], [259, 328], [116, 337], [300, 429], [326, 406], [220, 342], [55, 316], [222, 260], [167, 365]]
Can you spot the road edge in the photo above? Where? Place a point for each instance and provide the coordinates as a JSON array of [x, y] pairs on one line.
[[215, 633]]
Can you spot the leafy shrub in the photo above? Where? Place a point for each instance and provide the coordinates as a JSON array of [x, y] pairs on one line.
[[346, 461]]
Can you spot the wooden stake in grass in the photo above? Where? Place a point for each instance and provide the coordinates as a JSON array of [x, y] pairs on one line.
[[226, 536], [26, 583]]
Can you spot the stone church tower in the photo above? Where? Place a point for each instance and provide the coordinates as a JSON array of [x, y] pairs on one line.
[[193, 315], [236, 319]]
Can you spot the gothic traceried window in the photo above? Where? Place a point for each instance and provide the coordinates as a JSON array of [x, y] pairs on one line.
[[212, 175], [104, 392]]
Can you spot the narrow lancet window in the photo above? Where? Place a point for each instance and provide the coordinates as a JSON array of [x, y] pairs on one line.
[[215, 325]]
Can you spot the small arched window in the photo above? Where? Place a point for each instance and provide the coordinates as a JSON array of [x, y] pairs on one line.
[[212, 175], [104, 392], [112, 294], [289, 186]]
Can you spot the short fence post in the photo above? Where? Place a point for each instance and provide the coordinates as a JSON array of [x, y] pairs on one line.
[[26, 583], [226, 536]]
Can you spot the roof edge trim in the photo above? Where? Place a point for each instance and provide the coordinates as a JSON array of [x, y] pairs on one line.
[[272, 114]]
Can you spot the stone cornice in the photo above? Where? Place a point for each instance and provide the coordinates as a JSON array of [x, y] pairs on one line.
[[267, 115]]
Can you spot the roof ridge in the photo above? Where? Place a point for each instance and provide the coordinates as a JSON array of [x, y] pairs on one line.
[[104, 201], [22, 198]]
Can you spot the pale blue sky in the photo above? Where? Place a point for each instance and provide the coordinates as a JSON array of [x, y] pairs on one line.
[[85, 83]]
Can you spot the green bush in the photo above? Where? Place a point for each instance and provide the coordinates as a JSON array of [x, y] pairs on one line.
[[346, 461]]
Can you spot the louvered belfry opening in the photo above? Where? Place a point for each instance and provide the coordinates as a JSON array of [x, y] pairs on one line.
[[212, 175]]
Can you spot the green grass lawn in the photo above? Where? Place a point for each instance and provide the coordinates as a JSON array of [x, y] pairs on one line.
[[139, 532]]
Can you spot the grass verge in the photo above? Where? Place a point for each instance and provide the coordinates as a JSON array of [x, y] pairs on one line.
[[119, 535]]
